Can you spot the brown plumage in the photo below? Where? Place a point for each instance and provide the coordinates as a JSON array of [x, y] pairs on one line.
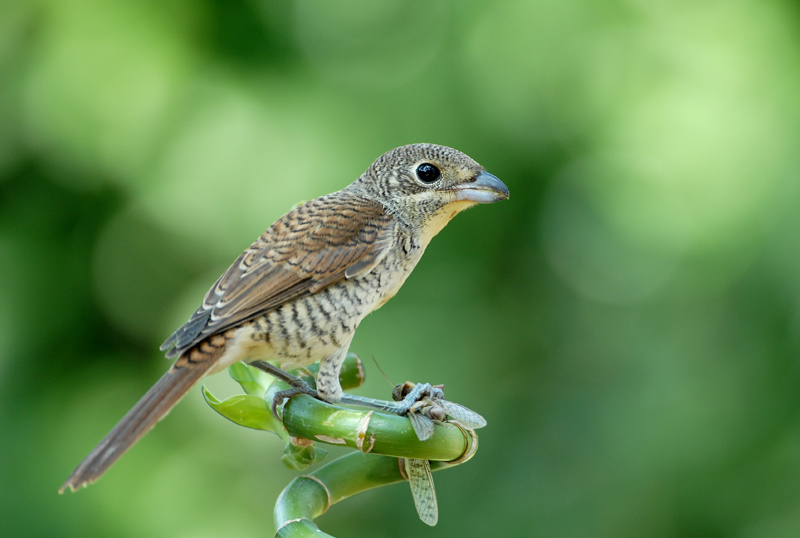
[[299, 292]]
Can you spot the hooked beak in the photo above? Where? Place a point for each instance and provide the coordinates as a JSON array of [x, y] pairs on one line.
[[484, 189]]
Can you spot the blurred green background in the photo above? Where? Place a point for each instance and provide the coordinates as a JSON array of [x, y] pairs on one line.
[[628, 322]]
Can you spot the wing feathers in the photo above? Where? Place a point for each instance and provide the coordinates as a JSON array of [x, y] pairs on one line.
[[313, 246]]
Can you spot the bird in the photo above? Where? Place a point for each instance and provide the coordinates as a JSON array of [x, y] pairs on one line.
[[298, 293]]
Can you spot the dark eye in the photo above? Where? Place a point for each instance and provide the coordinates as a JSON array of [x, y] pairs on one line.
[[428, 173]]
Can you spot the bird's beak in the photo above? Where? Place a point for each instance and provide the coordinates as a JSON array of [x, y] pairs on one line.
[[484, 189]]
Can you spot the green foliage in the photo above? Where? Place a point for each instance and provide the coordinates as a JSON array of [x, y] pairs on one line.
[[245, 410]]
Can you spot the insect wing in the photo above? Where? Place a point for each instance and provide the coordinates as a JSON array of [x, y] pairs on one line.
[[465, 416], [423, 426], [422, 489]]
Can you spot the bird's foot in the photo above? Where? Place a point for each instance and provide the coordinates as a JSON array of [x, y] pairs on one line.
[[412, 395], [298, 386], [419, 402], [428, 406], [406, 397], [302, 388]]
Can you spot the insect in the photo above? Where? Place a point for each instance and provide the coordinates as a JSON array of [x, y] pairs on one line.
[[429, 408]]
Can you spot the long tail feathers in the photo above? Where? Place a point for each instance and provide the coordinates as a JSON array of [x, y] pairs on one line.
[[150, 409]]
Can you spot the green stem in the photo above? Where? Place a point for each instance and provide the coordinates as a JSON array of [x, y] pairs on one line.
[[379, 437], [307, 497], [370, 431]]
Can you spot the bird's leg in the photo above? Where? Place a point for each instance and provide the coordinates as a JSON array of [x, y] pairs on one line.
[[418, 392], [286, 377], [415, 401], [328, 384], [298, 385], [329, 370]]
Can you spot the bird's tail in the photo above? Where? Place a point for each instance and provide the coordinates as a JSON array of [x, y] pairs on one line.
[[150, 409]]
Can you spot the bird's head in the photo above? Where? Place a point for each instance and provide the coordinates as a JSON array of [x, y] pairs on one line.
[[425, 185]]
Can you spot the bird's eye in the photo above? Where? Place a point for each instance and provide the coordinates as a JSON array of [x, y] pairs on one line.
[[428, 173]]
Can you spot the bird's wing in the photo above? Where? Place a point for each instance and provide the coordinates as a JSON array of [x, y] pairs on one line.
[[313, 246]]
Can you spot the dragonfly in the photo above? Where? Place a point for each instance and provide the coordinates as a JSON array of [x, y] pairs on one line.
[[429, 408]]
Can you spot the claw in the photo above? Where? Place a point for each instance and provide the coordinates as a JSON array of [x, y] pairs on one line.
[[298, 385], [424, 405], [300, 388]]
